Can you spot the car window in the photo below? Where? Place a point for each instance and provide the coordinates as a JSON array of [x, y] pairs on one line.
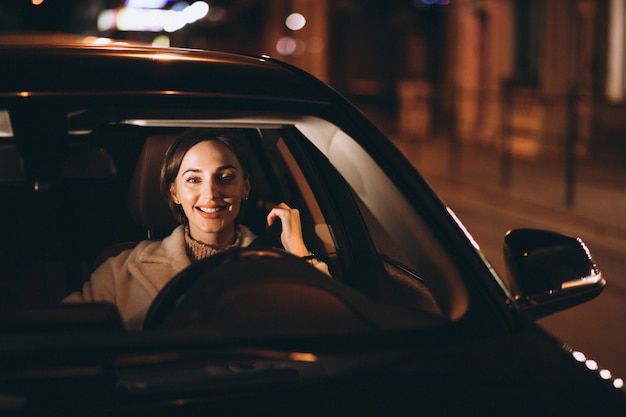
[[400, 234], [87, 207], [308, 199]]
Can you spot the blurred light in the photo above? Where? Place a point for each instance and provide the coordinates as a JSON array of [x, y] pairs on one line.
[[286, 46], [591, 364], [173, 21], [295, 21], [37, 2], [303, 357], [196, 11], [95, 40], [162, 41], [421, 3], [289, 46], [179, 6], [106, 20], [618, 383], [164, 57], [146, 4], [100, 41], [147, 19], [139, 20], [605, 374], [579, 356]]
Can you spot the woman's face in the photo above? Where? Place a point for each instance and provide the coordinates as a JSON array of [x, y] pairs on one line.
[[210, 186]]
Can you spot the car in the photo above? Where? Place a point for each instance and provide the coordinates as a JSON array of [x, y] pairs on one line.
[[413, 320]]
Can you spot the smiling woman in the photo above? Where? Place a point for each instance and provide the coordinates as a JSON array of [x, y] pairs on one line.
[[205, 177], [207, 181]]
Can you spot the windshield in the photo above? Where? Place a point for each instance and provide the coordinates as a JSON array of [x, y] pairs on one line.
[[80, 212]]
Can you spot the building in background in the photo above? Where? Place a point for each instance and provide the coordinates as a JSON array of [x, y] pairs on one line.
[[537, 77], [528, 77]]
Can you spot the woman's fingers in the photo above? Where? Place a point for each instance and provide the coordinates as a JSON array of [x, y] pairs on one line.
[[291, 236]]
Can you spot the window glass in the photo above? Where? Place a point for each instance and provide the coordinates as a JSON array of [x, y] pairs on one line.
[[397, 230], [109, 144]]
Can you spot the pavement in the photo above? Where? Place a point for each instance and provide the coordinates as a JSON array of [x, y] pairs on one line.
[[593, 192], [593, 197], [589, 201]]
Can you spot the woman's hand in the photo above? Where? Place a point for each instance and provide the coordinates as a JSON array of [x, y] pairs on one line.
[[291, 235]]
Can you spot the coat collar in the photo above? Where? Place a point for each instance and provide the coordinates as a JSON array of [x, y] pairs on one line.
[[158, 262]]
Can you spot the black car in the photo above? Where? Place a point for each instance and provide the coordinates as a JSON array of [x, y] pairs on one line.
[[414, 320]]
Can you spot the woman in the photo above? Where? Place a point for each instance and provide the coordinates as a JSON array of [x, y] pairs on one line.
[[205, 178]]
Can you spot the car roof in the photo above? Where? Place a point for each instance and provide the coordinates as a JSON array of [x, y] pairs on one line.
[[35, 64]]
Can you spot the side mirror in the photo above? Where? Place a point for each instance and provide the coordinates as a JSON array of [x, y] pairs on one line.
[[550, 272]]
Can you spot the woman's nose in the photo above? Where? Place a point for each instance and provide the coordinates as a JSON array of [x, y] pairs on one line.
[[212, 189]]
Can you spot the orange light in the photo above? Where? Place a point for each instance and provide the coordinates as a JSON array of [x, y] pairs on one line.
[[302, 357], [37, 2]]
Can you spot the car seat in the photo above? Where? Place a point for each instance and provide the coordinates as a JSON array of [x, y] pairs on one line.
[[147, 206]]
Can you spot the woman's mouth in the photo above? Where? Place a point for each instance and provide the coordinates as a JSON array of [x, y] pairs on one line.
[[212, 210]]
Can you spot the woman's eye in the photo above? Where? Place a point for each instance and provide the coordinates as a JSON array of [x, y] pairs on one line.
[[192, 180], [227, 178]]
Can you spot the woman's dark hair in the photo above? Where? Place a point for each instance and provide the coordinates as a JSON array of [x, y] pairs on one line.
[[174, 155]]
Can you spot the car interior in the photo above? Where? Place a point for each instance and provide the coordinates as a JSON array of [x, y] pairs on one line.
[[110, 198], [90, 191]]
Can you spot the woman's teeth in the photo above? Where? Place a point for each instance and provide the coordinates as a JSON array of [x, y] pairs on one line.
[[211, 210]]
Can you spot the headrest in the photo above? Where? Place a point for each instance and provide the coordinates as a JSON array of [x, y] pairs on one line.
[[81, 163], [146, 203]]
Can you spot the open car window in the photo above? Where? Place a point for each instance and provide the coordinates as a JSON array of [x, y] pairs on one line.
[[57, 227], [409, 249]]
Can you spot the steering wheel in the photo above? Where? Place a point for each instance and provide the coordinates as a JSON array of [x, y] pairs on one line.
[[198, 277], [168, 297], [262, 293]]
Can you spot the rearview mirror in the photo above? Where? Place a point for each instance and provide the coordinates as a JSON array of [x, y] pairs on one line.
[[550, 272]]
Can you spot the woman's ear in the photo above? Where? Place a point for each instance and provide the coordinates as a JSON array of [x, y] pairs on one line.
[[247, 187], [173, 194]]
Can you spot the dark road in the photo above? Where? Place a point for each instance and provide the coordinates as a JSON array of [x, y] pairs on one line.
[[598, 328]]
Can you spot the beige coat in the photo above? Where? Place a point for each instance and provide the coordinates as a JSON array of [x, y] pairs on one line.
[[132, 279]]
